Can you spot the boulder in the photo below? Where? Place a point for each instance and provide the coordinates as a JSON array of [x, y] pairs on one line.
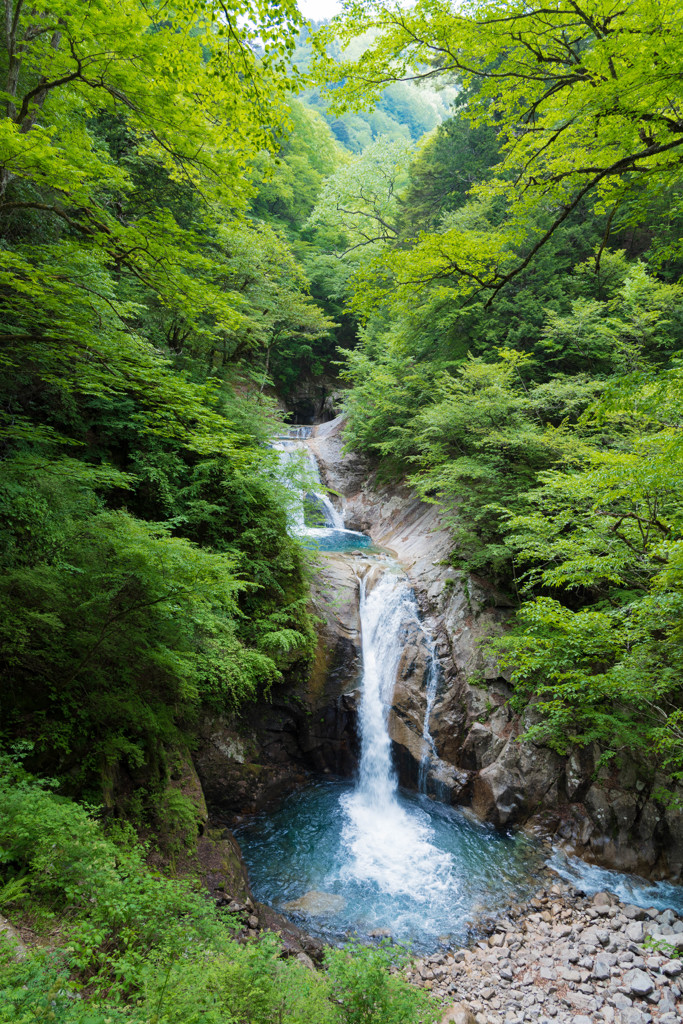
[[316, 904], [638, 983], [294, 940], [221, 868], [458, 1014]]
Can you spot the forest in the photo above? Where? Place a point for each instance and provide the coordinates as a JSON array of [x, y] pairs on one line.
[[466, 220]]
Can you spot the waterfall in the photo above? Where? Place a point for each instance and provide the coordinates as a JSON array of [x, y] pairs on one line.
[[429, 749], [386, 844], [382, 614], [296, 455], [334, 519]]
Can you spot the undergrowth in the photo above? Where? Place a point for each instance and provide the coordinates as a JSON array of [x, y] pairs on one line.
[[115, 941]]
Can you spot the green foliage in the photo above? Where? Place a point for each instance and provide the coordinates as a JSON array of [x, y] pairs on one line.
[[292, 179], [578, 114], [146, 567], [114, 631], [662, 946], [472, 441], [609, 532], [403, 112], [366, 991], [448, 162], [115, 911], [130, 945], [360, 201]]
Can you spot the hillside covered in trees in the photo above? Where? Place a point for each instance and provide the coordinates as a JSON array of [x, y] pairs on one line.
[[470, 220]]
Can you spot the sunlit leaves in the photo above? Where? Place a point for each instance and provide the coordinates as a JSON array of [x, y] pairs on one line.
[[585, 98]]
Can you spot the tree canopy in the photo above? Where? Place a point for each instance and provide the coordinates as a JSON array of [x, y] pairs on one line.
[[587, 103]]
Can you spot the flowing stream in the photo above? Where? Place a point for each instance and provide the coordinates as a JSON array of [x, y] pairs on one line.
[[363, 856]]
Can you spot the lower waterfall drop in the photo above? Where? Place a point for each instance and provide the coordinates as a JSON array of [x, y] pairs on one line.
[[387, 844]]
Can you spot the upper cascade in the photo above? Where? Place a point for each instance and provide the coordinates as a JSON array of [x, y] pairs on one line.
[[312, 514]]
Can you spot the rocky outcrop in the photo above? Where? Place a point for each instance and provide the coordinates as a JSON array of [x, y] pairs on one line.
[[609, 815], [249, 763], [313, 400]]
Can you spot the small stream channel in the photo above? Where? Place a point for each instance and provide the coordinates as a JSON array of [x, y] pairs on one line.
[[363, 857]]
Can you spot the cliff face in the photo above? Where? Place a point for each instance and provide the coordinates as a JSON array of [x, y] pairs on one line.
[[249, 763], [606, 814]]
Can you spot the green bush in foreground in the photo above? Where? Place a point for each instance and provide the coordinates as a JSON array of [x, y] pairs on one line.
[[123, 943]]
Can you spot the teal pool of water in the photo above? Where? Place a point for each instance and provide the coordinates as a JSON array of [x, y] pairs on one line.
[[422, 873], [328, 539]]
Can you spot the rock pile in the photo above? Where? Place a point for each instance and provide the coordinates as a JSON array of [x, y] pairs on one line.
[[566, 958]]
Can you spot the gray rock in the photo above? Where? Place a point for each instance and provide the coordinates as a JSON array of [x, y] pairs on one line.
[[634, 913], [621, 1001], [667, 1003], [635, 931], [601, 970], [631, 1015], [305, 959], [638, 982], [458, 1014]]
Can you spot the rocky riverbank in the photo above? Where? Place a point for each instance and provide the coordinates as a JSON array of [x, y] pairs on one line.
[[564, 958]]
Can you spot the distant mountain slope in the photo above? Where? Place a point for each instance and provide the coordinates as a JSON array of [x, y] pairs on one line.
[[404, 111]]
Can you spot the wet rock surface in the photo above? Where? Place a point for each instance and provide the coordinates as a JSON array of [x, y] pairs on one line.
[[564, 958], [316, 903]]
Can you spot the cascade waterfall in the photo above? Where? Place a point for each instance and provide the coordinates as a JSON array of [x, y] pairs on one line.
[[379, 858], [387, 844]]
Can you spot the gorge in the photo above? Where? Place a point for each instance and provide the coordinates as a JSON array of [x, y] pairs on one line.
[[387, 703], [341, 513]]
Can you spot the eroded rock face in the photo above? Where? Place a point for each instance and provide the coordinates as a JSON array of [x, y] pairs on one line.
[[608, 816], [251, 763]]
